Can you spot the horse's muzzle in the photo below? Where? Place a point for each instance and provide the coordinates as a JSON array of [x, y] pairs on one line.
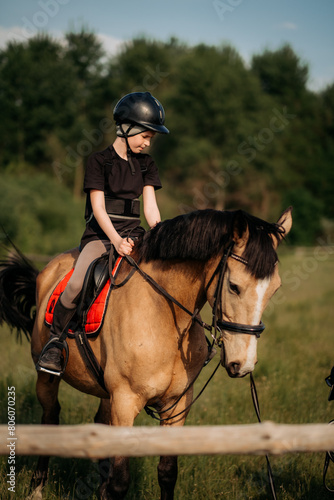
[[235, 367], [234, 370]]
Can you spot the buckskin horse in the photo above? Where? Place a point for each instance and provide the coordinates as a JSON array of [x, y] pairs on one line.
[[152, 343]]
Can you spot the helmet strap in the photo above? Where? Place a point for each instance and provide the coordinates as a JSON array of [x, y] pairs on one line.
[[129, 152]]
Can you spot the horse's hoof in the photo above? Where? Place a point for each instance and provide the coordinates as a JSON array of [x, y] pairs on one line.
[[37, 483], [36, 494]]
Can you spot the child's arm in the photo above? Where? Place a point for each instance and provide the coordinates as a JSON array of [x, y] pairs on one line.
[[123, 245], [151, 210]]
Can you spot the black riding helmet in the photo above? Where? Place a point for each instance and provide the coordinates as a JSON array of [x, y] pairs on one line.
[[140, 108], [135, 113]]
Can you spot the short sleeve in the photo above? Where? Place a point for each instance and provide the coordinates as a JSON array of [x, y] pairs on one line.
[[151, 174], [94, 174]]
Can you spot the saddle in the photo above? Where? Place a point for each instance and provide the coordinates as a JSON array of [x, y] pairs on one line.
[[92, 304], [93, 299]]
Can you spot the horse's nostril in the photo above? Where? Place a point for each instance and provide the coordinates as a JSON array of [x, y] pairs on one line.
[[234, 368]]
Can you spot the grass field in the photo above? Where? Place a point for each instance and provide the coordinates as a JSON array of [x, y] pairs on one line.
[[296, 353]]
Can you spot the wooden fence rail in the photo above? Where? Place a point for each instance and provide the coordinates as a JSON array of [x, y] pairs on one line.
[[99, 441]]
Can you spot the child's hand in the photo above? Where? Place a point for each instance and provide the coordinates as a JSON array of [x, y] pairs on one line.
[[124, 246]]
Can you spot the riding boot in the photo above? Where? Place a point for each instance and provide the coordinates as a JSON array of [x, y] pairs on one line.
[[52, 358]]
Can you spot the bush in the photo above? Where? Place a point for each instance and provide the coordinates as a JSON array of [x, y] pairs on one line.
[[39, 214]]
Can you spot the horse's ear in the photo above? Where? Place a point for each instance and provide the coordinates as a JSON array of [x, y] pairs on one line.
[[285, 222], [241, 241], [240, 232]]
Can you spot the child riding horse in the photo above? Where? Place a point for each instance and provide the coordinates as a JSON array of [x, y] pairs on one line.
[[114, 180]]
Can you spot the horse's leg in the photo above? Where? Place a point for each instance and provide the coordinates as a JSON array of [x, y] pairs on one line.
[[167, 476], [167, 473], [167, 468], [47, 394], [103, 416], [124, 409], [196, 351]]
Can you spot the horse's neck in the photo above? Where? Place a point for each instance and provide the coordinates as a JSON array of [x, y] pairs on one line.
[[184, 280]]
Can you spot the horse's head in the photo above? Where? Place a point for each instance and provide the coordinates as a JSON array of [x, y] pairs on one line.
[[250, 279]]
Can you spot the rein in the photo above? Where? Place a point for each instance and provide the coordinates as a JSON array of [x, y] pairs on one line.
[[257, 411], [156, 414], [164, 292], [216, 326]]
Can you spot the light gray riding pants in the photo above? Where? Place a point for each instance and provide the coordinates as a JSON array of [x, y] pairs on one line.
[[90, 252]]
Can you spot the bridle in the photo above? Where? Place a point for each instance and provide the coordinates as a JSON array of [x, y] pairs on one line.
[[217, 325]]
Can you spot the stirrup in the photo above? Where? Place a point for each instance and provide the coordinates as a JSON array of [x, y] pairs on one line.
[[60, 344]]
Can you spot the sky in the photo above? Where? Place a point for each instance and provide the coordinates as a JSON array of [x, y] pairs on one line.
[[250, 26]]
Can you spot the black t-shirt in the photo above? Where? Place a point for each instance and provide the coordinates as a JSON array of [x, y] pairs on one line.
[[108, 172]]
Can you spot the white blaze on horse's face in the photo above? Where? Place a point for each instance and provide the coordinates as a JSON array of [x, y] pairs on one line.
[[260, 290], [244, 299]]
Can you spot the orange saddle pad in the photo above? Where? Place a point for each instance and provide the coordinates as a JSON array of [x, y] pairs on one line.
[[97, 310]]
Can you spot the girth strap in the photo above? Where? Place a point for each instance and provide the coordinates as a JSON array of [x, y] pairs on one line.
[[89, 358]]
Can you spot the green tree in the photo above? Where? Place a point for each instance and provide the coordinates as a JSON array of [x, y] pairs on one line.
[[304, 145], [36, 86], [142, 65], [324, 183], [281, 73], [54, 99], [215, 106], [91, 125], [255, 138]]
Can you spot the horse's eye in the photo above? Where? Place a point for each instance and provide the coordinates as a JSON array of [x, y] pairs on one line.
[[234, 289]]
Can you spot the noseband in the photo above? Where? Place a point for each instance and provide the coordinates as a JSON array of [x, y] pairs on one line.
[[220, 324]]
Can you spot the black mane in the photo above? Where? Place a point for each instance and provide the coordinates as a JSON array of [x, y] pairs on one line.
[[203, 234]]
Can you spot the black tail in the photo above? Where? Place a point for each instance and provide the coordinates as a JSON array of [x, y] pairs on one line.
[[18, 293]]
